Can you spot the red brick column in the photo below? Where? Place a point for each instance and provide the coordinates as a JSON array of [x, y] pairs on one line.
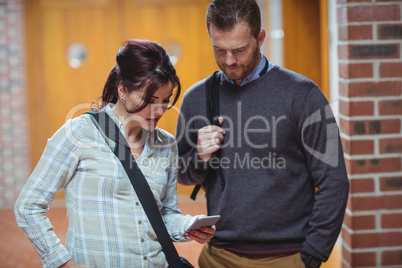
[[370, 87], [14, 145]]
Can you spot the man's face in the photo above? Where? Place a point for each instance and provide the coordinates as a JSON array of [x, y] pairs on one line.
[[237, 52]]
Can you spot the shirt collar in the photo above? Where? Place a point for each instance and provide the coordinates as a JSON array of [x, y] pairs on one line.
[[255, 74]]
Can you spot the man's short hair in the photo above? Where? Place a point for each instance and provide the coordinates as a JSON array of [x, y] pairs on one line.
[[226, 14]]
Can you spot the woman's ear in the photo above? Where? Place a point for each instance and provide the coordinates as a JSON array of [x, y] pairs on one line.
[[120, 91]]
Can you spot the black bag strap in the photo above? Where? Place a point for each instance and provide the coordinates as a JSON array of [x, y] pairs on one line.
[[212, 106], [212, 98], [140, 185]]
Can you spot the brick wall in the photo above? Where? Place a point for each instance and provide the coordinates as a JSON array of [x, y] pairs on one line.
[[14, 144], [370, 84]]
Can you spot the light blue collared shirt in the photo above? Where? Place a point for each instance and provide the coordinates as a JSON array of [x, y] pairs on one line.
[[108, 226], [255, 74]]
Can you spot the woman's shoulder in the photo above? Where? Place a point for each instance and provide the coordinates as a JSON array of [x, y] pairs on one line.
[[73, 134], [81, 126], [82, 122]]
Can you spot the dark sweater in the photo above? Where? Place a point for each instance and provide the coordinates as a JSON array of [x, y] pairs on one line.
[[281, 143]]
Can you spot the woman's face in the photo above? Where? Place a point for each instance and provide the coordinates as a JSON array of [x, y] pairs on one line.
[[150, 115]]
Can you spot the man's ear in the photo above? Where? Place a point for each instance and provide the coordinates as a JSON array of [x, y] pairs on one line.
[[261, 37]]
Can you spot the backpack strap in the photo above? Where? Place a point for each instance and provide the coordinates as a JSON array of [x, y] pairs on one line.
[[212, 98], [212, 106]]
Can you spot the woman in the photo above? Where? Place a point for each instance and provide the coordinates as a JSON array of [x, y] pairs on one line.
[[107, 224]]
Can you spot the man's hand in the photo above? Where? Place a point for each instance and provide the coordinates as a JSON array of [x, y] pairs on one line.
[[209, 140]]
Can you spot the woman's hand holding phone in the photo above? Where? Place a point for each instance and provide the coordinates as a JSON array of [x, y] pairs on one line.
[[203, 229]]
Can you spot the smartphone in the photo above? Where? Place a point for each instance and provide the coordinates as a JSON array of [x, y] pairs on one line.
[[207, 221]]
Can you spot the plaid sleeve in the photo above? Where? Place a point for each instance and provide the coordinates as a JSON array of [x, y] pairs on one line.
[[176, 222], [52, 173]]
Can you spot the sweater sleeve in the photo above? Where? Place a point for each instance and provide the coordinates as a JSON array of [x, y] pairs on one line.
[[191, 169], [52, 174], [319, 135]]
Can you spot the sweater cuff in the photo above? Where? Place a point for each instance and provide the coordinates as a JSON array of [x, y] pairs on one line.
[[199, 164]]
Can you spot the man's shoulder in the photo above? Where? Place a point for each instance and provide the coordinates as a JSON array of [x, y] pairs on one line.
[[195, 94], [292, 77], [197, 88]]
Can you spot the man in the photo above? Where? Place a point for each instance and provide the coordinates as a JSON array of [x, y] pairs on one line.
[[280, 184]]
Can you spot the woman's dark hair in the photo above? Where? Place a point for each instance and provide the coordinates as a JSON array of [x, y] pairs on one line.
[[225, 14], [141, 64]]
